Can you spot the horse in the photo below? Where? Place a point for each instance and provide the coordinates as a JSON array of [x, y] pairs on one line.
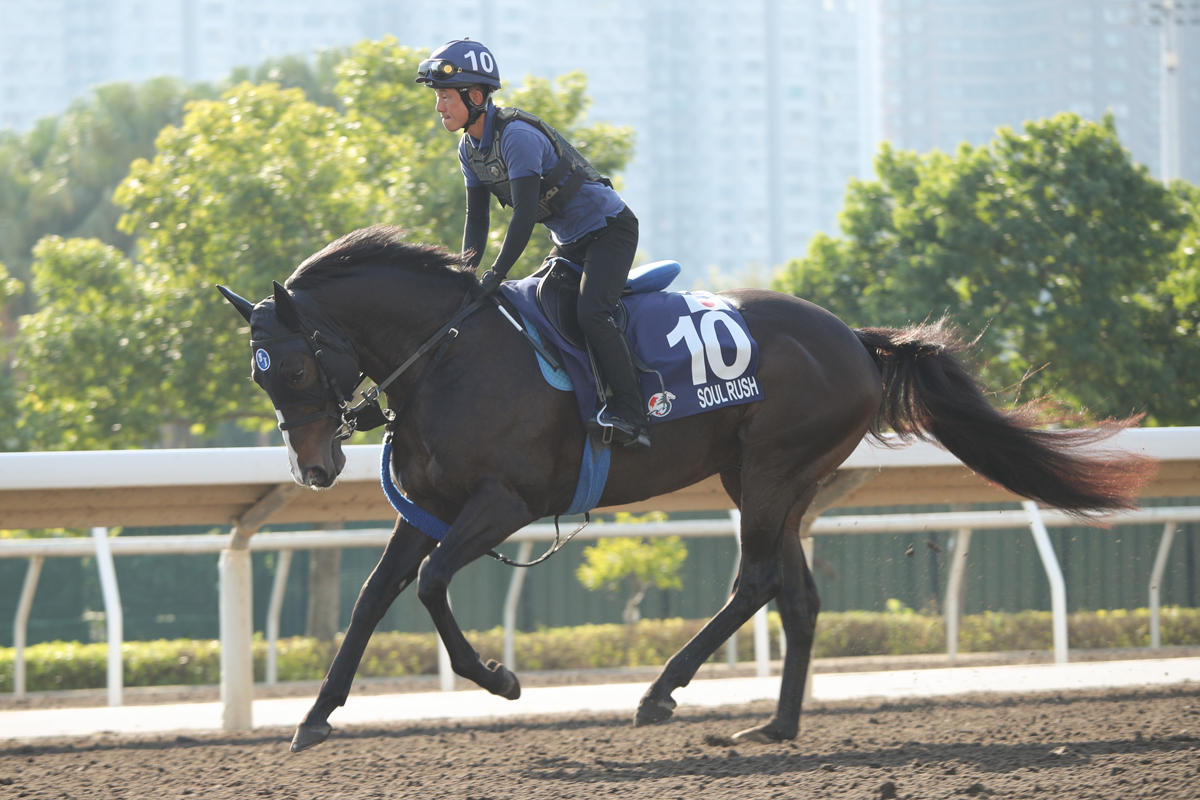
[[484, 443]]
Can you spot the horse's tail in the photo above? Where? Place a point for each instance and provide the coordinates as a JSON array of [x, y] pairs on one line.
[[929, 393]]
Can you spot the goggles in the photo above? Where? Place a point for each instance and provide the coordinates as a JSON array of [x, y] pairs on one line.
[[438, 69]]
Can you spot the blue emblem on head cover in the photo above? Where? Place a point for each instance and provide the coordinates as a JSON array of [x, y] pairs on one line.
[[262, 359]]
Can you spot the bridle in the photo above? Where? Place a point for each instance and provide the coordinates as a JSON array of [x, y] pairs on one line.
[[368, 414]]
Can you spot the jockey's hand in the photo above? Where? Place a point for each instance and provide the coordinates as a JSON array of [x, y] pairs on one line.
[[490, 282]]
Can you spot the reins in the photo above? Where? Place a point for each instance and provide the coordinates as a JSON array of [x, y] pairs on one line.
[[368, 415], [559, 543], [370, 403]]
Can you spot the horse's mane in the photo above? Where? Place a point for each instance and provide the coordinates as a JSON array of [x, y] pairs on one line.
[[377, 244]]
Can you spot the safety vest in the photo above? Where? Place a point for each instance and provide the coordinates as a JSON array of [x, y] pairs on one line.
[[557, 187]]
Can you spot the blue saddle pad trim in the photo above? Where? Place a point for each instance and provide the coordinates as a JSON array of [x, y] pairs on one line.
[[413, 514], [593, 470], [558, 378], [593, 475]]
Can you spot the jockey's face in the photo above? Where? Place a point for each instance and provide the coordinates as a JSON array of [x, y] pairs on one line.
[[452, 109]]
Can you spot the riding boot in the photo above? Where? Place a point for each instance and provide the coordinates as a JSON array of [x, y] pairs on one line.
[[625, 414]]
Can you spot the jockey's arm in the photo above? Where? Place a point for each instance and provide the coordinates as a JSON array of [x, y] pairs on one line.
[[525, 191], [475, 231]]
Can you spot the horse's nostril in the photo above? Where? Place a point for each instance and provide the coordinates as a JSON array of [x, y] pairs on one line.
[[317, 476]]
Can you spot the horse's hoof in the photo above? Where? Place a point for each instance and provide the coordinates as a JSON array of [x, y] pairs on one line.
[[310, 735], [651, 711], [763, 734], [510, 687]]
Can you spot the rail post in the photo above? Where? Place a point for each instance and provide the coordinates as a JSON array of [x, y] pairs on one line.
[[237, 609], [283, 564], [731, 644], [114, 622], [960, 547], [510, 606], [1160, 565], [237, 631], [21, 622], [1058, 587]]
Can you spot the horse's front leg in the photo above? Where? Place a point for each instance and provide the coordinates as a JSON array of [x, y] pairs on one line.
[[397, 568], [493, 513]]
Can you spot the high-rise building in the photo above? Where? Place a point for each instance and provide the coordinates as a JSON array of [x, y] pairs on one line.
[[749, 117], [52, 51], [954, 70], [745, 114]]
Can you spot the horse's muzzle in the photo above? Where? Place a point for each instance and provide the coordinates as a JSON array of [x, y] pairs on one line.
[[318, 478]]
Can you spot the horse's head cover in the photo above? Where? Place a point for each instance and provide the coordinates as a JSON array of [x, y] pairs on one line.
[[286, 323]]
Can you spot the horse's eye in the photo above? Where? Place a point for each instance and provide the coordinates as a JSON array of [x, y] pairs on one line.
[[298, 370]]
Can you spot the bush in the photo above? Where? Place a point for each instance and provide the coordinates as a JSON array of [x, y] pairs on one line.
[[899, 631]]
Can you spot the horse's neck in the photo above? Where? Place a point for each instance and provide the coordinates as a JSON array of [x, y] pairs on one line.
[[388, 320]]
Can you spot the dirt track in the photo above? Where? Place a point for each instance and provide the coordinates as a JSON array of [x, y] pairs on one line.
[[1088, 744]]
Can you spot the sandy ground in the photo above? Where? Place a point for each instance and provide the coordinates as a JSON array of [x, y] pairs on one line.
[[1102, 744], [154, 695]]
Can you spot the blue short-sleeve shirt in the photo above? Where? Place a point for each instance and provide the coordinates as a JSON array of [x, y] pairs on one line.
[[528, 151]]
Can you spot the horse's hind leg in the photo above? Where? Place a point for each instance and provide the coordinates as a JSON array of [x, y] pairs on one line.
[[764, 529], [798, 604]]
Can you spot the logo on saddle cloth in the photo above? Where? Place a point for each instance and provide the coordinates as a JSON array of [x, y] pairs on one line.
[[660, 404]]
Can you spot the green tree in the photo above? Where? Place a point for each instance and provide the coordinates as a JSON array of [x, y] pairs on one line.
[[1051, 242], [635, 562], [93, 353], [243, 191], [10, 393], [1183, 283], [315, 77], [58, 179], [239, 192], [125, 354], [376, 81]]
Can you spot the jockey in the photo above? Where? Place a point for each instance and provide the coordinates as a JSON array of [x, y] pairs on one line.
[[528, 165]]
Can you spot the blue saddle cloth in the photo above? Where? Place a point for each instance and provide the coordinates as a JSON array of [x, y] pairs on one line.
[[696, 341]]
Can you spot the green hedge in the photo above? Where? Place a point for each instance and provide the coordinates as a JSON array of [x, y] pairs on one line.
[[71, 665]]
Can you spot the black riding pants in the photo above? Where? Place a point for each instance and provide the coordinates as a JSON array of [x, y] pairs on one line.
[[606, 256]]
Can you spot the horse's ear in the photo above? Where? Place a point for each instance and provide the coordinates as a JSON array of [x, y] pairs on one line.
[[285, 309], [244, 306]]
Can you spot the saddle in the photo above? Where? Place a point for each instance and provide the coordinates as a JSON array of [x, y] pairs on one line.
[[558, 294]]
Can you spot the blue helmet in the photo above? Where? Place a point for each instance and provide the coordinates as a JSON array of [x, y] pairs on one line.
[[458, 64]]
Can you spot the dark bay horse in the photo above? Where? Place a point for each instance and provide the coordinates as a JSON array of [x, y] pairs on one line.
[[488, 446]]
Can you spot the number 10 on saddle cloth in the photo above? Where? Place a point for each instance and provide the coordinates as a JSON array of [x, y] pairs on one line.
[[697, 341]]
